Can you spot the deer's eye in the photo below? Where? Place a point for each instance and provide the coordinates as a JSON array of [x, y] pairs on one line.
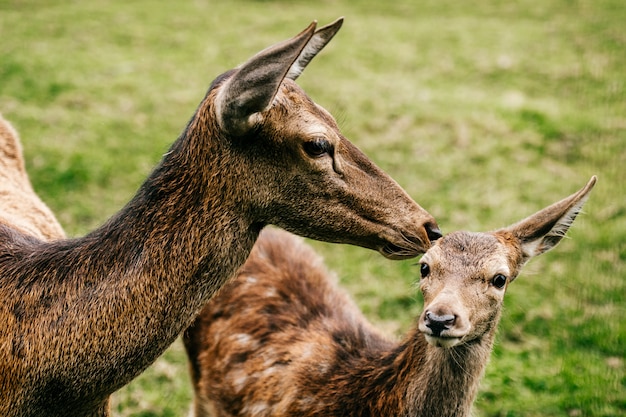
[[498, 281], [424, 270], [317, 147]]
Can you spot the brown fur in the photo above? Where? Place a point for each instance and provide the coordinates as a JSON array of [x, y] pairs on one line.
[[79, 318], [20, 206], [283, 339]]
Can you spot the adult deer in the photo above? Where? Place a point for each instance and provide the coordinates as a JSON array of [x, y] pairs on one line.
[[283, 340], [80, 318], [20, 206]]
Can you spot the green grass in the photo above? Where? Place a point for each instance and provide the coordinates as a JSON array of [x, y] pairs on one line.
[[484, 111]]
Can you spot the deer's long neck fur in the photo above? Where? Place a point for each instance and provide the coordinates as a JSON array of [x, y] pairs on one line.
[[202, 227], [118, 297]]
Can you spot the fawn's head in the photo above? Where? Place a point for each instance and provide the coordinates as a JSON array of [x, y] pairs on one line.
[[465, 275], [295, 168]]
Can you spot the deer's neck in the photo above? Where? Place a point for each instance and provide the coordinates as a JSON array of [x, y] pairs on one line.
[[187, 227], [442, 382], [183, 235], [187, 223], [415, 379], [118, 297]]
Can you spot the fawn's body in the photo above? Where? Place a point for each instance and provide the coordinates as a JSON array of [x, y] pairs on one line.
[[283, 340], [79, 318]]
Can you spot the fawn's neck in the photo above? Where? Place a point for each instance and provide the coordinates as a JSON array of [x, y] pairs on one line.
[[442, 382], [414, 379]]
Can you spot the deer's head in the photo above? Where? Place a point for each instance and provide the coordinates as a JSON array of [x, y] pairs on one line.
[[300, 172], [465, 275]]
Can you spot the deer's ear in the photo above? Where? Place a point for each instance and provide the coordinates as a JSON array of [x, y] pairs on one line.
[[544, 230], [318, 41], [252, 87]]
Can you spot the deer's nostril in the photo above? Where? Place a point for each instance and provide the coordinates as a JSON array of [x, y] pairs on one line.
[[438, 323], [433, 231]]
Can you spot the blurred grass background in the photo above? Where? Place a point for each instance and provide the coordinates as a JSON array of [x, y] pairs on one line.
[[485, 111]]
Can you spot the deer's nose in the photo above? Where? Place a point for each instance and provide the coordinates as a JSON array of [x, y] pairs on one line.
[[437, 323], [433, 231]]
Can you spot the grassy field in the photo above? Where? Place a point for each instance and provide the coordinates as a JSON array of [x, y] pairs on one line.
[[484, 111]]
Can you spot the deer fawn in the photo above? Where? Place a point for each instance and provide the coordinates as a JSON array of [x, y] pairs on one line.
[[20, 207], [283, 340], [80, 318]]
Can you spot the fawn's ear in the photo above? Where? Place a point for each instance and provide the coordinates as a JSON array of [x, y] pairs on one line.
[[254, 84], [544, 230]]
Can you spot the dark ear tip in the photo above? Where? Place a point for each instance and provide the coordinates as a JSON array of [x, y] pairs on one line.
[[334, 26]]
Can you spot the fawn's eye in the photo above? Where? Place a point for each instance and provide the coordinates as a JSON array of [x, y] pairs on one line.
[[498, 281], [424, 270], [318, 147]]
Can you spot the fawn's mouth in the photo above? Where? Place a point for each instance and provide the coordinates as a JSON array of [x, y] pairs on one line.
[[442, 341]]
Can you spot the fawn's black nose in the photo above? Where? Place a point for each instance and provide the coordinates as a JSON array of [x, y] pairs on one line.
[[433, 231], [438, 323]]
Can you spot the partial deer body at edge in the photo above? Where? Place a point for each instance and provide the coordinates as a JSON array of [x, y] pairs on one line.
[[20, 207]]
